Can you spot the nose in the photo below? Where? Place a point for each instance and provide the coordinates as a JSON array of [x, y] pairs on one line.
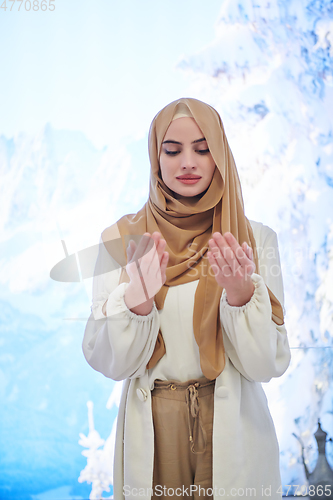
[[188, 160]]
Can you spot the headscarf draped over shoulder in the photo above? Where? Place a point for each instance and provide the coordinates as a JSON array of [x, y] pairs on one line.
[[187, 225]]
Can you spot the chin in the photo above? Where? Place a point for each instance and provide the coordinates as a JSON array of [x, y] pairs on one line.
[[186, 192], [195, 194]]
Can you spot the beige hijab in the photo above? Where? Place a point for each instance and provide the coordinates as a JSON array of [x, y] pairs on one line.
[[187, 226]]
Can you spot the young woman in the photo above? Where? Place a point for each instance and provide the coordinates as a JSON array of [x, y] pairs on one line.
[[192, 320]]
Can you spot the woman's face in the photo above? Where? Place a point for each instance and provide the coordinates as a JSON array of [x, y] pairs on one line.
[[185, 154]]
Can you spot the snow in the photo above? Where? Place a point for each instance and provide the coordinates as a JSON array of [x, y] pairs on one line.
[[269, 72], [277, 107], [45, 380]]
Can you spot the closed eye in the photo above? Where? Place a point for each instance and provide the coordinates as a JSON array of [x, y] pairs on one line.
[[174, 153], [171, 153]]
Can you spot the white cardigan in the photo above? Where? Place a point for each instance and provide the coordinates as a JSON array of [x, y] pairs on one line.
[[245, 448]]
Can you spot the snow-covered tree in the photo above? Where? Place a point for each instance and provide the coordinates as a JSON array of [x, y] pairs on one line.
[[99, 469], [269, 72]]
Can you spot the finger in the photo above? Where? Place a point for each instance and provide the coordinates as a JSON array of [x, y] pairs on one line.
[[248, 250], [245, 248], [238, 251], [134, 272], [145, 244], [160, 245], [218, 262], [139, 247], [140, 251], [154, 276], [150, 266], [223, 255], [135, 277], [226, 252], [161, 276], [249, 268], [161, 249], [213, 264], [161, 265], [230, 250], [130, 250], [164, 264], [156, 237], [155, 254]]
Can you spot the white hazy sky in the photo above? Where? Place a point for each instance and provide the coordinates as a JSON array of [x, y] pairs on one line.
[[104, 67]]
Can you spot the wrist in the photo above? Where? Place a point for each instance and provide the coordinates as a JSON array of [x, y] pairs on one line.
[[136, 301], [241, 297]]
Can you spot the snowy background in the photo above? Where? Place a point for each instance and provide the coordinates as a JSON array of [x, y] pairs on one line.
[[79, 88]]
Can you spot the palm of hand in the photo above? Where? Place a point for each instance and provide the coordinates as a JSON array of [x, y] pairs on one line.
[[147, 264], [233, 266]]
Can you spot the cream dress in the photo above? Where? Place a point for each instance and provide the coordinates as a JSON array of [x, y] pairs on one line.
[[245, 448]]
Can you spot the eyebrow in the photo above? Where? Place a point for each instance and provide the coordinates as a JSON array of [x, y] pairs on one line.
[[176, 142]]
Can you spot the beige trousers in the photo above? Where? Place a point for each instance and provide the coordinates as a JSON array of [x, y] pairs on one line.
[[183, 426]]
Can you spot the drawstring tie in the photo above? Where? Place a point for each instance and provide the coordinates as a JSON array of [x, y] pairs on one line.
[[194, 412]]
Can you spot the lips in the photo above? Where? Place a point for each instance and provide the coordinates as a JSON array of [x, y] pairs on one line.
[[189, 179], [188, 176]]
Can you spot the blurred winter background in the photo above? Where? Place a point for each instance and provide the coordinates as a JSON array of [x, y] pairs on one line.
[[79, 87]]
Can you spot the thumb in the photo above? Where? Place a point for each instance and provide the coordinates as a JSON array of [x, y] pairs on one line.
[[248, 250], [130, 250]]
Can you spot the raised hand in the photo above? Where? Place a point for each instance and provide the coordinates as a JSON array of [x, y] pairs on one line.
[[233, 266], [146, 269]]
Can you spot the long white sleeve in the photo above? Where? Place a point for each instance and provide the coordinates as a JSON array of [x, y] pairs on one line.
[[257, 347], [120, 344]]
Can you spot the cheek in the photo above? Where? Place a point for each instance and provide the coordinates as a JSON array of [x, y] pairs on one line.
[[211, 167], [165, 167]]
